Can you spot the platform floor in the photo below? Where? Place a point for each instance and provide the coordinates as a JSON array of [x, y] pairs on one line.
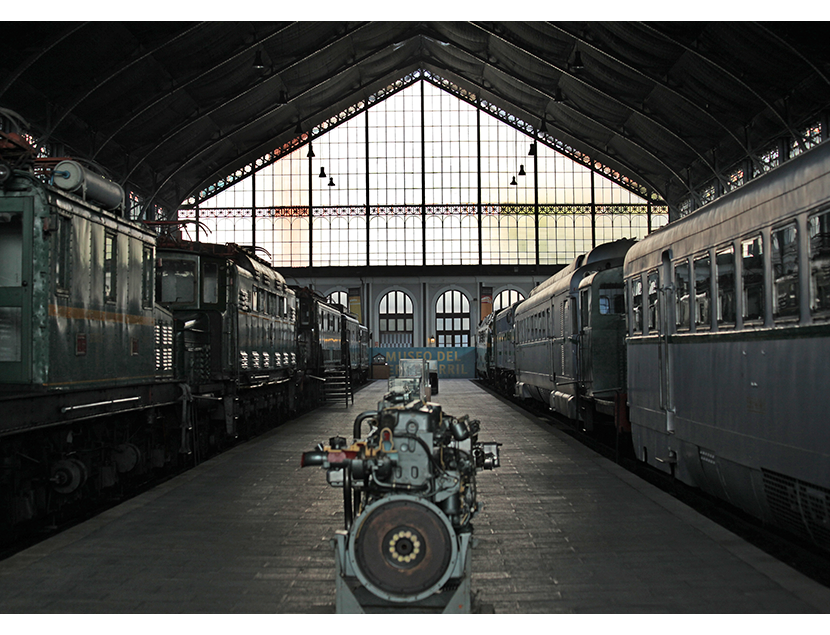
[[562, 530]]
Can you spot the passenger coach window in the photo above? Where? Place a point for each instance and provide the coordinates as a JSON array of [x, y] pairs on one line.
[[726, 286], [637, 306], [752, 278], [785, 272], [703, 292], [653, 302], [681, 287], [819, 231]]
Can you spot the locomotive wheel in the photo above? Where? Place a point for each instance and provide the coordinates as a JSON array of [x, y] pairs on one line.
[[403, 548], [67, 475]]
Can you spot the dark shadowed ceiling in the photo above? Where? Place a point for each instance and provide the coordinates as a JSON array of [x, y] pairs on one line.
[[170, 108]]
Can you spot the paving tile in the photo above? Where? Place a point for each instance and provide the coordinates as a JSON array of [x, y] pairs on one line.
[[561, 530]]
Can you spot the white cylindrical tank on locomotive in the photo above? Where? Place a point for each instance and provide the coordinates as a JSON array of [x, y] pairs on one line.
[[71, 176]]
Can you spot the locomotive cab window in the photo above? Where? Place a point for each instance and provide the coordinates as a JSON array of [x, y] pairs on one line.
[[63, 255], [147, 277], [752, 279], [785, 272], [176, 281], [11, 250], [110, 266], [210, 283], [819, 233]]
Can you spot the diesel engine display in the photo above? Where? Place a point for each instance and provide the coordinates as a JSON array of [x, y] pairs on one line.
[[409, 491]]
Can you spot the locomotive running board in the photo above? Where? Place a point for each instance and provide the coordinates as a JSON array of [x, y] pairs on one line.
[[352, 597]]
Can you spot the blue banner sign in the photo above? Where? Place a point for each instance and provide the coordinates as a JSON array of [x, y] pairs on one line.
[[452, 362]]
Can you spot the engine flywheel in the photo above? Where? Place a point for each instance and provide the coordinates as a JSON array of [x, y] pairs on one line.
[[403, 549]]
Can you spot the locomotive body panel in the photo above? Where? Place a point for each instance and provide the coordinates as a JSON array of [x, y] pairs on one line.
[[85, 315]]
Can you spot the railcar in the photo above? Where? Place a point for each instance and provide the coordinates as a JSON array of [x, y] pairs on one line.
[[355, 336], [569, 337], [123, 355], [87, 377], [332, 345], [504, 357], [485, 362], [235, 333], [728, 346]]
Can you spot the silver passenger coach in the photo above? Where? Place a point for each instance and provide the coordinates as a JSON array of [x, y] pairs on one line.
[[729, 346]]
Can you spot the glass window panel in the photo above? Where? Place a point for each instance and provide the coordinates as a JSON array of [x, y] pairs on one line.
[[210, 283], [726, 286], [653, 291], [636, 306], [785, 272], [819, 233], [682, 293], [752, 278], [380, 149], [703, 291], [11, 250], [178, 281], [110, 266]]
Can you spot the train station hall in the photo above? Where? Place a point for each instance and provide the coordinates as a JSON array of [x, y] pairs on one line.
[[415, 317]]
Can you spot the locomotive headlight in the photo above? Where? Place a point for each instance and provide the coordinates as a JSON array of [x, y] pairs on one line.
[[5, 172]]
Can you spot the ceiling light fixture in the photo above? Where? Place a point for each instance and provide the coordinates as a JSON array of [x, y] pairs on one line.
[[331, 182], [322, 173], [513, 182], [522, 169]]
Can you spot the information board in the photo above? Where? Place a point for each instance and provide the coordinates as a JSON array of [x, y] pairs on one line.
[[452, 362]]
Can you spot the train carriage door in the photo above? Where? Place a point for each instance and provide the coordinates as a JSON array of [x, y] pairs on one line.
[[16, 290], [584, 374], [664, 318]]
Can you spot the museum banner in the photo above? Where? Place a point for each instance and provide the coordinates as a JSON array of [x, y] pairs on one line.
[[452, 363]]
